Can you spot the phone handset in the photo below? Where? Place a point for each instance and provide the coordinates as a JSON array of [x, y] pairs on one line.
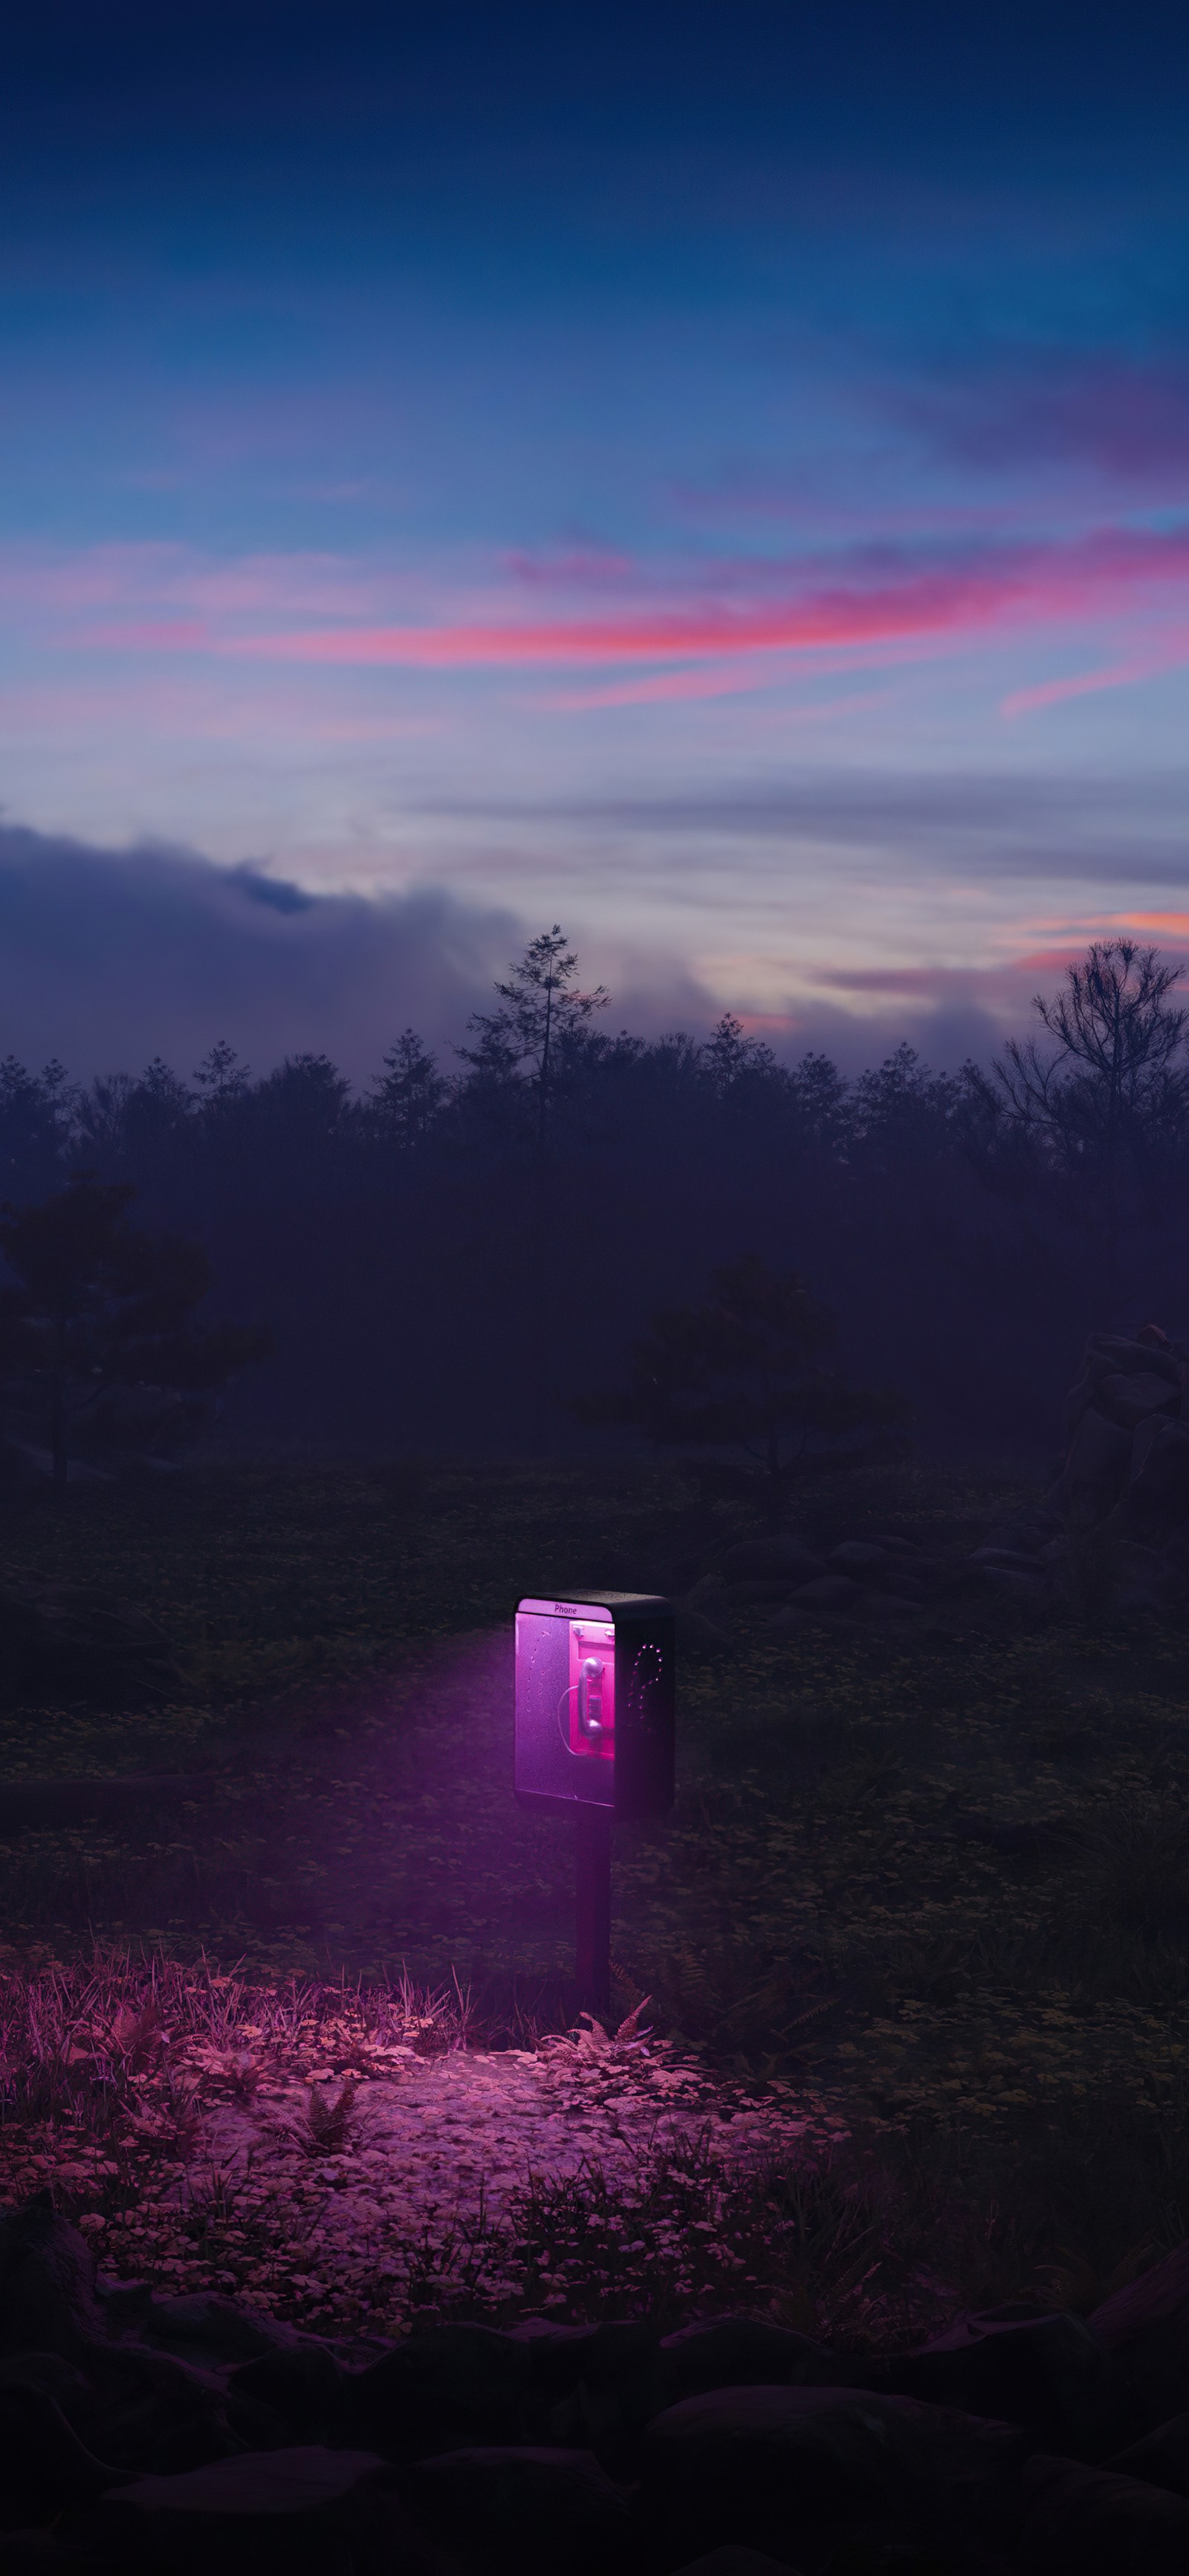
[[590, 1696]]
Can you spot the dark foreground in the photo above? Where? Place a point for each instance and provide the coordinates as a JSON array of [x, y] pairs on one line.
[[927, 1881], [147, 2433]]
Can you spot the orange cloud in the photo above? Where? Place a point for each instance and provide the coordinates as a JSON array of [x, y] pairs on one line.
[[1171, 925]]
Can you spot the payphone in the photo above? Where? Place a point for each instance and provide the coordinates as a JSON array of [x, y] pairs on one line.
[[594, 1703], [595, 1737]]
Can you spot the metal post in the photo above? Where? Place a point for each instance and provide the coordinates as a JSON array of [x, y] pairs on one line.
[[593, 1946]]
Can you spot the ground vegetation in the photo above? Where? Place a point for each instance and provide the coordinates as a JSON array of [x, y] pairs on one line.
[[928, 1868]]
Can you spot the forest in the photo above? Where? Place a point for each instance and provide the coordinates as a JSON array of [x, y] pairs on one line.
[[451, 1260]]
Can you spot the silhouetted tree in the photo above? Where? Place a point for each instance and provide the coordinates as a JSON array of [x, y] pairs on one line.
[[1110, 1093], [94, 1307], [748, 1370], [37, 1115], [134, 1118], [410, 1094], [541, 1014], [222, 1076]]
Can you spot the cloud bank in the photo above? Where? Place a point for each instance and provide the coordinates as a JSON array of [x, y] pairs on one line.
[[109, 958]]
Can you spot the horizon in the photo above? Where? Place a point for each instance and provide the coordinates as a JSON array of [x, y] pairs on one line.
[[731, 498]]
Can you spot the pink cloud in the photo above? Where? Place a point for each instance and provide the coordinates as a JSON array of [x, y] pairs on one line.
[[879, 602], [154, 635], [1082, 684], [1028, 585], [664, 685], [148, 576]]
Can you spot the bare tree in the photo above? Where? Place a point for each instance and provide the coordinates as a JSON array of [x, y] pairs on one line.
[[1111, 1087]]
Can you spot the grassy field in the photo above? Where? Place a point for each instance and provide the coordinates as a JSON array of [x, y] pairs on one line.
[[939, 1880]]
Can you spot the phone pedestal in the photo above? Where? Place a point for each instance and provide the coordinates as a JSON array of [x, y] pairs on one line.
[[593, 1948]]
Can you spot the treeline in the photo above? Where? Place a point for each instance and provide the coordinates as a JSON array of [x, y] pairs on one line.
[[451, 1256]]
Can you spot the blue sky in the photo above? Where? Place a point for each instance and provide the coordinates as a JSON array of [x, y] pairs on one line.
[[716, 476]]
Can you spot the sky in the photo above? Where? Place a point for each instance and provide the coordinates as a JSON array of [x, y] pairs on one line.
[[713, 475]]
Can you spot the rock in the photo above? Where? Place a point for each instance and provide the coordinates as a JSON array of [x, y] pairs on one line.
[[1162, 2457], [858, 1556], [742, 2352], [898, 1584], [123, 2303], [888, 1608], [306, 2388], [592, 2386], [1144, 1435], [1138, 1577], [830, 1592], [47, 2282], [1016, 1560], [205, 2327], [1145, 2328], [761, 1588], [147, 2411], [752, 1559], [27, 1462], [450, 2385], [1095, 1470], [40, 2553], [1131, 1390], [788, 2469], [1131, 1396], [732, 2560], [602, 2356], [1025, 1531], [595, 2387], [43, 2464], [696, 1635], [1092, 2522], [300, 2512], [1108, 1354], [888, 2549], [995, 1582], [1158, 1493], [1048, 2373], [259, 2483], [535, 2507], [47, 2370]]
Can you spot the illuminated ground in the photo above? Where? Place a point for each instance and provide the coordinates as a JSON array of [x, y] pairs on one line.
[[344, 2158]]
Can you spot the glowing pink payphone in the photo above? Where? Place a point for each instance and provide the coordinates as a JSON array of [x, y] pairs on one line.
[[595, 1736]]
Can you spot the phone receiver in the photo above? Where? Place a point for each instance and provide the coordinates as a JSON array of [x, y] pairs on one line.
[[590, 1696]]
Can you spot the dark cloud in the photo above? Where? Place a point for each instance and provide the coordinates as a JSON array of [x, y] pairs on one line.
[[107, 959]]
